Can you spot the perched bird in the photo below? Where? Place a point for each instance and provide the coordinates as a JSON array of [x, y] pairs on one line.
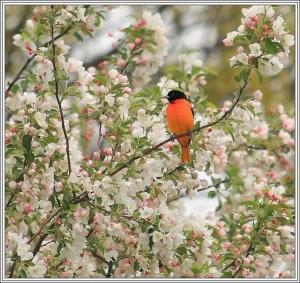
[[180, 118]]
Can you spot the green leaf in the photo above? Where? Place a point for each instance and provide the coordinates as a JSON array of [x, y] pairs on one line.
[[211, 194], [271, 46], [227, 274], [210, 71], [136, 266], [197, 268], [15, 88], [26, 141], [78, 36], [101, 79], [17, 173], [61, 244], [260, 78], [244, 75], [24, 85], [237, 79], [53, 200], [97, 21], [23, 273]]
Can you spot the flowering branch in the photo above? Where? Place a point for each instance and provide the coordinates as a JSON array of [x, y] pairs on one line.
[[172, 138], [58, 100], [44, 225], [28, 61], [216, 185]]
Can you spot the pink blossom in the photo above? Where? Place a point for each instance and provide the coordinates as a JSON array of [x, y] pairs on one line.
[[288, 123], [131, 46], [168, 146], [28, 208], [240, 49], [246, 261], [138, 40], [103, 64], [226, 245], [107, 151], [217, 257], [227, 42], [120, 62], [142, 22], [96, 155]]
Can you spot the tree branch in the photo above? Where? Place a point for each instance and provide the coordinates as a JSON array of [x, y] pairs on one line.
[[200, 128], [44, 225], [26, 64], [216, 185], [249, 250], [122, 215], [58, 101]]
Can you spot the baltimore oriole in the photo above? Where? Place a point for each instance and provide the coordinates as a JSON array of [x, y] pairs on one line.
[[180, 118]]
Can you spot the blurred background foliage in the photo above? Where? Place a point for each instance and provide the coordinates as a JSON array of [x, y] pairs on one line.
[[190, 27]]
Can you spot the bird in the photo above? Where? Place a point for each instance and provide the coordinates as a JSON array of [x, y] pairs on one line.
[[180, 120]]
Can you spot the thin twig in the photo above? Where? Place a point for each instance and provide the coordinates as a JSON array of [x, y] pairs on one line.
[[110, 269], [26, 64], [249, 250], [216, 185], [58, 100], [39, 244], [148, 151], [44, 225], [11, 274], [122, 215]]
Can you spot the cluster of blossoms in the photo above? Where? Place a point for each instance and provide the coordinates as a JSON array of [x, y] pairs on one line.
[[264, 40], [107, 213], [143, 49], [83, 20]]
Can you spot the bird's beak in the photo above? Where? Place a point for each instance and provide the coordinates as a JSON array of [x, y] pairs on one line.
[[167, 97]]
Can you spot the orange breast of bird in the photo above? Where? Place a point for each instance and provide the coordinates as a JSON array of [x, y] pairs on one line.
[[180, 120]]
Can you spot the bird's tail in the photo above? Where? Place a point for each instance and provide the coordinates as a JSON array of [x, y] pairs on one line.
[[185, 154]]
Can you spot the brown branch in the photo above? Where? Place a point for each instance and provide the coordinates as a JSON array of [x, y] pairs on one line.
[[44, 225], [216, 185], [11, 274], [110, 269], [249, 250], [39, 244], [148, 151], [108, 263], [58, 100], [122, 215], [26, 64]]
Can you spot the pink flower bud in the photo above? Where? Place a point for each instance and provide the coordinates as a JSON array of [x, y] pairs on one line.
[[96, 155], [226, 245], [246, 261], [138, 40], [217, 257], [126, 90], [107, 151], [121, 62], [227, 42], [103, 64], [12, 184], [27, 208], [221, 232], [240, 49], [131, 46], [258, 95], [31, 172], [142, 22]]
